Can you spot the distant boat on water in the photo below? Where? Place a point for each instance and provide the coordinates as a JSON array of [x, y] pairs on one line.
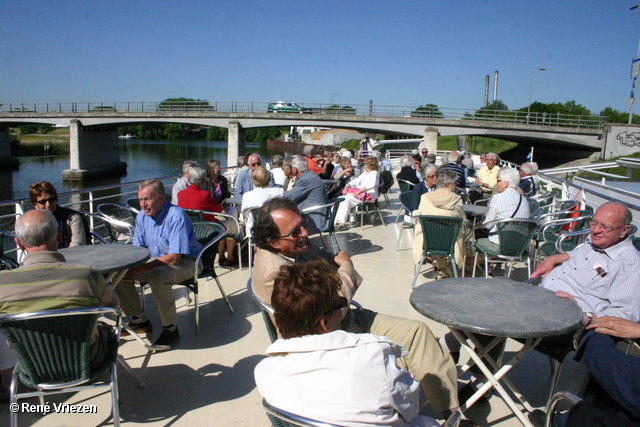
[[127, 136]]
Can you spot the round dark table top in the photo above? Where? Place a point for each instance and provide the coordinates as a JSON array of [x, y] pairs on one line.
[[475, 210], [497, 307], [106, 258]]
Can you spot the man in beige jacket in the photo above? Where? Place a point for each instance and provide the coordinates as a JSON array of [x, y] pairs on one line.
[[280, 234]]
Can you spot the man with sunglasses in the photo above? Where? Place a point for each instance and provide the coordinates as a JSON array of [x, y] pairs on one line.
[[281, 237], [320, 372], [244, 183], [602, 274]]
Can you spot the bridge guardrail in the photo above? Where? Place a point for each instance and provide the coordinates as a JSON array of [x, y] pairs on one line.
[[462, 114]]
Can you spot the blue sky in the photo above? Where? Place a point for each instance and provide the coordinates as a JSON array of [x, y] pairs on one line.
[[345, 52]]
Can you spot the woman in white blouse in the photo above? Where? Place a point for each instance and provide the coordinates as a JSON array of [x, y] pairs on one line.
[[362, 188]]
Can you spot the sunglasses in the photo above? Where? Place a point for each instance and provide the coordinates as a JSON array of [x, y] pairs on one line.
[[44, 201], [255, 164], [297, 232]]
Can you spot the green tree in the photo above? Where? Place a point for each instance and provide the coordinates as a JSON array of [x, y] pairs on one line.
[[265, 133], [496, 105], [27, 129], [427, 110], [45, 128], [185, 104], [339, 109], [614, 116], [215, 133], [103, 108], [570, 107], [497, 110]]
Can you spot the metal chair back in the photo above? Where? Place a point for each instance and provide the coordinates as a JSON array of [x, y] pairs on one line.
[[405, 185], [405, 202], [194, 215], [371, 206], [515, 241], [439, 235], [329, 210], [134, 204], [7, 243], [208, 234], [119, 221], [280, 418], [266, 311], [515, 236], [53, 349]]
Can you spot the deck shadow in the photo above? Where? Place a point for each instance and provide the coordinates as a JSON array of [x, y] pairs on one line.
[[180, 389]]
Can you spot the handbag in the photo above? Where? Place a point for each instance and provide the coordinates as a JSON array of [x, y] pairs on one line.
[[365, 197], [481, 232]]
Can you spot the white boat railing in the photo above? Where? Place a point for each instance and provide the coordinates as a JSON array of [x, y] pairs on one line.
[[88, 199]]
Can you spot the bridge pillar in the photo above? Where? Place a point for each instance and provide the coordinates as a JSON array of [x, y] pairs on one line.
[[6, 161], [94, 153], [430, 141], [237, 143]]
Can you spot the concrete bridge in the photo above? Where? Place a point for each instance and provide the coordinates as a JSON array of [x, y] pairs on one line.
[[95, 144]]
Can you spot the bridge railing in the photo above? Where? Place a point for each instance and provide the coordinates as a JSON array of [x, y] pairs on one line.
[[501, 116]]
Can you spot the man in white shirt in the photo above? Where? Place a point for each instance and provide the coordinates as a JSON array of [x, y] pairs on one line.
[[602, 274]]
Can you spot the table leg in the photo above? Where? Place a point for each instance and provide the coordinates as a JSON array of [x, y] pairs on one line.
[[492, 381]]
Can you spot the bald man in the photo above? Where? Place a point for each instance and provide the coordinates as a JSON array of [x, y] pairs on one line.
[[602, 274], [45, 281]]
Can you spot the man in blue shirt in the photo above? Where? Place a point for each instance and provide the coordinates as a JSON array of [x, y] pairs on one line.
[[244, 183], [167, 232]]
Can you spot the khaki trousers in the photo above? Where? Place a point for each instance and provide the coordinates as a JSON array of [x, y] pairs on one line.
[[161, 280], [430, 364]]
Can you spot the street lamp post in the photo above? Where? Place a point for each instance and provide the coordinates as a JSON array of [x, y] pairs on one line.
[[530, 89]]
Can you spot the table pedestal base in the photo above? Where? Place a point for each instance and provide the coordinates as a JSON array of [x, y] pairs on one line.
[[497, 372]]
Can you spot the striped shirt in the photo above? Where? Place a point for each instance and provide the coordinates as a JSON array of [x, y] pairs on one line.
[[461, 182], [502, 206], [611, 291]]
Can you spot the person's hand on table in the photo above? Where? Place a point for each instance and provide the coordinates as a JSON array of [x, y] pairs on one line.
[[563, 294], [615, 326], [585, 318]]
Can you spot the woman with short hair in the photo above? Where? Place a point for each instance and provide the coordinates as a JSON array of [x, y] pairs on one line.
[[75, 230]]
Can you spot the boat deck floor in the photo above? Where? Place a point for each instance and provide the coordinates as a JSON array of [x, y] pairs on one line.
[[207, 378]]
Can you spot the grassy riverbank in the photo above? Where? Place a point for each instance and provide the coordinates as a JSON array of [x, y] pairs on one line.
[[55, 142]]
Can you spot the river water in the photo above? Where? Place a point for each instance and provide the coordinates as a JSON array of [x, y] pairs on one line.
[[144, 158]]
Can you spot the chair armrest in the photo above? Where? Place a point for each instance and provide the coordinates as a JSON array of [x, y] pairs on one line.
[[553, 402], [261, 304], [568, 235], [557, 222], [453, 420], [116, 222]]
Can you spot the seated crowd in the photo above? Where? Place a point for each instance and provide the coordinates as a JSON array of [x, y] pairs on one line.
[[381, 369]]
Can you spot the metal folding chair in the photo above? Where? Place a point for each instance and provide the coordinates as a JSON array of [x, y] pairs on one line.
[[439, 235]]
